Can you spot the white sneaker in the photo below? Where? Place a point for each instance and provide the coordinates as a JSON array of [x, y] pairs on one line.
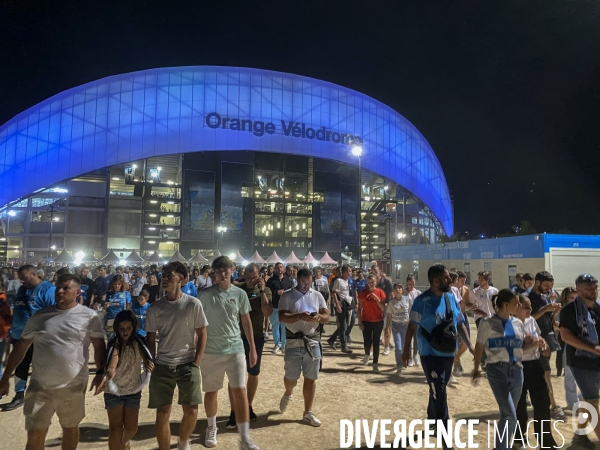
[[312, 419], [183, 445], [211, 437], [417, 361], [247, 444], [453, 379], [276, 349], [386, 351], [411, 362], [284, 402], [458, 371], [266, 335], [371, 355], [376, 368], [365, 360]]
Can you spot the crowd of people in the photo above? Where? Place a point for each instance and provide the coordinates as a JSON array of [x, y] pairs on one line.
[[186, 328]]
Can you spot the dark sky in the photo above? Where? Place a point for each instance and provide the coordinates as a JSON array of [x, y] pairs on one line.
[[507, 93]]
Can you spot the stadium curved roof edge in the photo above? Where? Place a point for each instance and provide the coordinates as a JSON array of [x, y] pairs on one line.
[[163, 111]]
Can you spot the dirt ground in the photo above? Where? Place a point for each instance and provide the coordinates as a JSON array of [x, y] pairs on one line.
[[345, 390]]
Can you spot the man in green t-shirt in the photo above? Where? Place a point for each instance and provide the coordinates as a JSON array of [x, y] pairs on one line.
[[261, 306], [225, 307]]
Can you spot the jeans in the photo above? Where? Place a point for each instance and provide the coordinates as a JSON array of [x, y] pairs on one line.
[[343, 322], [371, 337], [2, 350], [399, 335], [570, 385], [533, 374], [352, 321], [438, 370], [278, 329], [506, 381]]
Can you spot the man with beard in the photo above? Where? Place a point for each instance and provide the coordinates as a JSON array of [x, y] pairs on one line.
[[427, 311], [278, 283], [86, 297]]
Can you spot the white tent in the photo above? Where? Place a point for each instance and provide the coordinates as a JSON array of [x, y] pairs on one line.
[[110, 257], [238, 259], [310, 259], [256, 258], [293, 259], [134, 258], [177, 257], [64, 257], [274, 258], [198, 258], [89, 257], [215, 256], [154, 258], [328, 260]]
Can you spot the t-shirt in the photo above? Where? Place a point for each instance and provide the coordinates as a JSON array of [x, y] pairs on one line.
[[503, 339], [61, 338], [190, 289], [141, 312], [223, 308], [117, 302], [203, 283], [87, 290], [413, 294], [371, 312], [386, 286], [176, 323], [568, 320], [545, 322], [482, 299], [138, 285], [12, 287], [361, 285], [399, 309], [275, 284], [256, 315], [428, 311], [102, 285], [28, 302], [295, 302], [531, 329], [342, 289]]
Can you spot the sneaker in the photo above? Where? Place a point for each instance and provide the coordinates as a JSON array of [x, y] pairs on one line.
[[231, 423], [276, 349], [185, 445], [417, 361], [458, 371], [386, 351], [349, 340], [284, 402], [266, 335], [582, 440], [371, 355], [247, 444], [411, 362], [211, 437], [346, 350], [15, 403], [312, 419], [558, 414], [376, 368], [399, 371], [331, 344], [253, 416], [453, 379]]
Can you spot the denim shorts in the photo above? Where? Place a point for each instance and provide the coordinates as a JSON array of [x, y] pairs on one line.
[[297, 360], [588, 382], [130, 401]]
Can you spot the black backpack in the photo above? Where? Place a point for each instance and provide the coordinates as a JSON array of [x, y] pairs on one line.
[[443, 337]]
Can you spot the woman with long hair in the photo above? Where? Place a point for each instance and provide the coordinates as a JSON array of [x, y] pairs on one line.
[[371, 303], [397, 315], [152, 287]]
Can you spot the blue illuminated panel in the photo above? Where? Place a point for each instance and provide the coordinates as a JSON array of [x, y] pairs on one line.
[[165, 111]]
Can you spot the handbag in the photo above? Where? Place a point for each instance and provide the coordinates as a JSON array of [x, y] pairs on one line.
[[443, 336]]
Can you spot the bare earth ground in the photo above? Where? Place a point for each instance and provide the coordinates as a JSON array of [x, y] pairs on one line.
[[345, 390]]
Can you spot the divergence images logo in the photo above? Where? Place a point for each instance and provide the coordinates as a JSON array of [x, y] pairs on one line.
[[590, 415]]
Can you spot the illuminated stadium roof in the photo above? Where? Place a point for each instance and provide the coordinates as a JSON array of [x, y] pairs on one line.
[[188, 109]]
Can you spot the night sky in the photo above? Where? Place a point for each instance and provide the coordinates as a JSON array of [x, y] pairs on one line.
[[507, 93]]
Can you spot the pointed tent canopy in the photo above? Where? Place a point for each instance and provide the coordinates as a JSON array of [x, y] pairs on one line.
[[134, 258], [293, 259], [310, 259], [89, 257], [215, 256], [327, 259], [177, 257], [274, 258], [154, 258], [110, 257], [256, 258], [198, 258], [64, 257], [238, 259]]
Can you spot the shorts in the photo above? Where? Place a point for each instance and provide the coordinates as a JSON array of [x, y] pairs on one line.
[[588, 382], [164, 379], [40, 405], [214, 368], [545, 362], [259, 343], [297, 359], [129, 401]]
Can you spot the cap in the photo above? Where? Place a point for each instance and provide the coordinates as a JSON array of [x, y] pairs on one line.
[[585, 278]]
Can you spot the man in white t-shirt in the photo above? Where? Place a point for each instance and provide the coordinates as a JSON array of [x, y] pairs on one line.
[[203, 281], [413, 293], [62, 334], [181, 324], [480, 298], [342, 300], [302, 309]]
